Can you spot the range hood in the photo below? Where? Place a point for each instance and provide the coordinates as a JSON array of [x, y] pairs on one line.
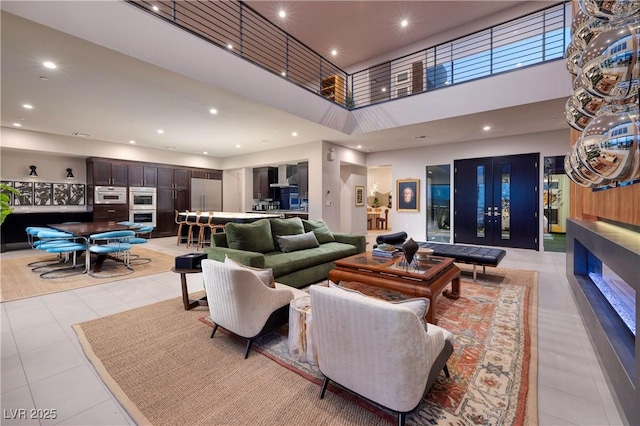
[[287, 176]]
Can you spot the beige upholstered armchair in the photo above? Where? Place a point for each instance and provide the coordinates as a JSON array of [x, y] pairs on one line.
[[377, 349], [242, 304]]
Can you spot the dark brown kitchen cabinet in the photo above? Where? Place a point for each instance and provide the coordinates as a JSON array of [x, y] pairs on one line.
[[303, 179], [141, 175], [262, 178], [107, 173], [173, 194], [110, 213], [206, 174]]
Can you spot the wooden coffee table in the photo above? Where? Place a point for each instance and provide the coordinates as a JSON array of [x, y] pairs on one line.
[[428, 279]]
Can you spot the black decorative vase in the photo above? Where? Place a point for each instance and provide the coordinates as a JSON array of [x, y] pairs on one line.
[[409, 248]]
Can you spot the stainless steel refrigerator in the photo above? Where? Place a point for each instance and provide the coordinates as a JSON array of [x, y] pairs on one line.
[[206, 194]]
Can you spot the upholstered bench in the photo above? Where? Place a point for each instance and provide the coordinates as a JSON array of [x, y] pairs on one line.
[[474, 255]]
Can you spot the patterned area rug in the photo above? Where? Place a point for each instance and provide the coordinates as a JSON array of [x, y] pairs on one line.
[[493, 367]]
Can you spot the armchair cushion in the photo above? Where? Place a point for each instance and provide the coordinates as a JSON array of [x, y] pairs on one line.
[[289, 243], [255, 236], [419, 305], [265, 275], [320, 229]]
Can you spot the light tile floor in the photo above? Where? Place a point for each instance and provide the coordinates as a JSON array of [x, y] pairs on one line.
[[44, 367]]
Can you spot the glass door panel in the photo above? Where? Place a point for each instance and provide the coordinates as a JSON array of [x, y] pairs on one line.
[[505, 197], [439, 203]]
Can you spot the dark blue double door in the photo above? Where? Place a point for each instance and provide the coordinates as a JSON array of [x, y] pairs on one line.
[[496, 201]]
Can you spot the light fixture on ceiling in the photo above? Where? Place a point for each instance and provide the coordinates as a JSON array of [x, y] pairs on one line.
[[404, 23], [213, 111], [229, 46], [32, 172], [50, 65], [384, 89], [17, 125], [282, 14], [70, 174], [294, 134], [155, 8], [359, 146], [284, 74], [486, 128], [160, 131], [238, 146], [171, 147], [334, 52], [42, 77], [132, 142], [27, 106]]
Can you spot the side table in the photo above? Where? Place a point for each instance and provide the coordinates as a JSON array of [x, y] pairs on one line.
[[302, 345], [188, 303]]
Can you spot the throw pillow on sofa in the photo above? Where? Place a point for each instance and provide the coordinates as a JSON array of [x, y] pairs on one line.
[[265, 275], [280, 227], [255, 236], [320, 229], [289, 243]]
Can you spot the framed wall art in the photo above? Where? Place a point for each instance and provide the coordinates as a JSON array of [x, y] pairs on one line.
[[9, 194], [408, 195], [41, 194], [25, 194], [359, 196], [76, 194]]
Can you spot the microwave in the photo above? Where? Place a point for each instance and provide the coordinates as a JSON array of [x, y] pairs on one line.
[[142, 198], [110, 195]]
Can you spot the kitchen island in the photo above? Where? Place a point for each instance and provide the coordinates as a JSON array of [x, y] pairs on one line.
[[303, 214], [220, 218]]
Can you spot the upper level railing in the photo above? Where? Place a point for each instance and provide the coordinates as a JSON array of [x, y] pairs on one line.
[[529, 40]]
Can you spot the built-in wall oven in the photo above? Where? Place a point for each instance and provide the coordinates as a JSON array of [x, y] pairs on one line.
[[110, 195], [142, 198], [142, 205], [143, 217]]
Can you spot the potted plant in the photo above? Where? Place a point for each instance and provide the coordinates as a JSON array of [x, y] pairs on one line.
[[5, 206]]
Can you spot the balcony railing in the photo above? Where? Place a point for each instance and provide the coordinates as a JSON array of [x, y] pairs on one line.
[[532, 39]]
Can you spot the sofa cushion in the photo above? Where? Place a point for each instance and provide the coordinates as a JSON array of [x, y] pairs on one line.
[[255, 236], [280, 227], [320, 228], [265, 275], [287, 263], [289, 243]]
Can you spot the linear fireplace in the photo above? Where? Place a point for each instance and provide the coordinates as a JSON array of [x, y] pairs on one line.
[[603, 269]]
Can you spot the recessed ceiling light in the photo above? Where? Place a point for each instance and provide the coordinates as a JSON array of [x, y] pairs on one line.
[[27, 106], [485, 128], [284, 74], [156, 8], [334, 52], [229, 46], [213, 111], [294, 134], [50, 65], [519, 64], [282, 14], [359, 146], [384, 89], [404, 23], [238, 146], [17, 124], [132, 141], [205, 152], [161, 131]]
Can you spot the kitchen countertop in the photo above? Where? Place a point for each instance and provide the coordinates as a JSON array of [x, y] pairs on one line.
[[279, 211]]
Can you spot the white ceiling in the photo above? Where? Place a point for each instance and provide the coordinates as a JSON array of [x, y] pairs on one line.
[[117, 98]]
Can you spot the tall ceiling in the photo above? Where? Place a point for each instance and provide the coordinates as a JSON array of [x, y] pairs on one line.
[[96, 90]]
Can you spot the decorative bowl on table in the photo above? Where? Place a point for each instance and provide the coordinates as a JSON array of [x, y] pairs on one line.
[[424, 254]]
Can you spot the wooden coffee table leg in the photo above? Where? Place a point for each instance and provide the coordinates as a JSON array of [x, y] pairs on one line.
[[454, 293]]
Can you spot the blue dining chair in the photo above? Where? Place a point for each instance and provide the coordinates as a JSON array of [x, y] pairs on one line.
[[114, 244], [143, 235], [62, 244]]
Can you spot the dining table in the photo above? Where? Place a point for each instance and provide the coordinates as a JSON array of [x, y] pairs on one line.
[[86, 229]]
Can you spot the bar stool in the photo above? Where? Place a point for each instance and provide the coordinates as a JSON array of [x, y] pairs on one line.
[[380, 222], [181, 222], [213, 228], [203, 224], [192, 224]]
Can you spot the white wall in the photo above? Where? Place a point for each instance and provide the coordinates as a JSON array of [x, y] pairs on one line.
[[412, 163], [352, 218]]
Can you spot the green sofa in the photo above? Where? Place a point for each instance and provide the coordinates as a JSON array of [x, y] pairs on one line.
[[300, 252]]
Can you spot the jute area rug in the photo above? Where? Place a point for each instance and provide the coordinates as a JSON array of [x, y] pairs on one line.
[[164, 369], [18, 281]]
